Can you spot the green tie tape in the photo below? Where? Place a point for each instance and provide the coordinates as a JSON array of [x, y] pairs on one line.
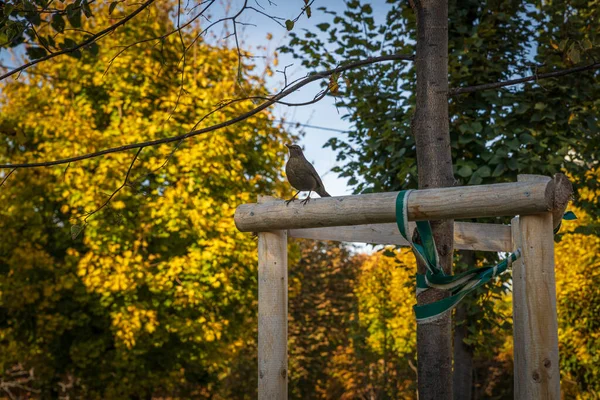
[[458, 285]]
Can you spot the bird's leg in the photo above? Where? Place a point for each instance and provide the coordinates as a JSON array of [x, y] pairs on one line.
[[287, 202], [306, 200]]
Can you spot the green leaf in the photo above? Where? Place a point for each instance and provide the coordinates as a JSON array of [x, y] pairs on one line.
[[513, 144], [36, 52], [563, 44], [289, 24], [389, 253], [464, 139], [74, 17], [8, 8], [526, 138], [499, 170], [76, 230], [58, 23], [522, 108], [463, 128], [586, 44], [512, 164], [75, 54], [484, 171], [324, 26], [93, 48], [465, 171], [591, 123], [86, 9], [112, 7], [67, 44], [308, 12], [574, 55], [50, 40], [475, 179]]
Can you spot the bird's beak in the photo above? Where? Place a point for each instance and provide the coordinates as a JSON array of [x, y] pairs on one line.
[[288, 145]]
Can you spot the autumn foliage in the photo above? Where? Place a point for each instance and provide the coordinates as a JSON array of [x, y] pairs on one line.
[[150, 291], [153, 292]]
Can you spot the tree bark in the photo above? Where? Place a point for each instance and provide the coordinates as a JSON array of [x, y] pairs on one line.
[[430, 126], [463, 353]]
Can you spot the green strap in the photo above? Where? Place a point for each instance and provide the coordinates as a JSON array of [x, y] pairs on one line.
[[458, 285]]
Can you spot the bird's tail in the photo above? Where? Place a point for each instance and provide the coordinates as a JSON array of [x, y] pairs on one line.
[[321, 192]]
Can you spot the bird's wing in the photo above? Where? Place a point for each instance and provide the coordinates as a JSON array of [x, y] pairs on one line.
[[314, 173]]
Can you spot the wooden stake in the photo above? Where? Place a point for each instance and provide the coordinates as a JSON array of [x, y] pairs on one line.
[[536, 369], [272, 313]]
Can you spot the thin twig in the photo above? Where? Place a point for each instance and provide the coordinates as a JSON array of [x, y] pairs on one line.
[[86, 42], [182, 61], [273, 100], [7, 176], [554, 74], [117, 190], [157, 38]]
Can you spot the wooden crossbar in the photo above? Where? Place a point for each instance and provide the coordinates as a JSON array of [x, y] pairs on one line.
[[459, 202], [467, 235]]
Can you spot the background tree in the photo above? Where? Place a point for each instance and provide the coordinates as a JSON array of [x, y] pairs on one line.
[[155, 273], [495, 134], [149, 289], [349, 331]]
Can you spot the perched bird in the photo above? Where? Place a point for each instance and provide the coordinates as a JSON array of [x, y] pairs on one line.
[[302, 175]]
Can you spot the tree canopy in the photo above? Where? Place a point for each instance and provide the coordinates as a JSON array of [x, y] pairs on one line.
[[122, 274], [543, 127], [154, 290]]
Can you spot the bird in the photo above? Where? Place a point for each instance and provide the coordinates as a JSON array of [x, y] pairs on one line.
[[302, 175]]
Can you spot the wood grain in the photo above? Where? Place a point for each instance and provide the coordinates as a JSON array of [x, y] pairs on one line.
[[467, 235], [536, 369], [503, 199], [272, 314]]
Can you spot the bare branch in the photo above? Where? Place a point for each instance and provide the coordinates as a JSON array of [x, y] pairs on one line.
[[273, 100], [162, 37], [117, 190], [277, 20], [86, 42], [18, 379], [495, 85], [182, 61], [7, 176]]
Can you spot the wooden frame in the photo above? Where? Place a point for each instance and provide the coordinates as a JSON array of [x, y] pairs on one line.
[[540, 201], [272, 313]]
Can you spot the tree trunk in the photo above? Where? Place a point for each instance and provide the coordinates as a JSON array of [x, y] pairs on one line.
[[430, 128], [463, 353]]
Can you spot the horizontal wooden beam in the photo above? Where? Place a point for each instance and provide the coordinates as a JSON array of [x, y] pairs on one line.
[[467, 235], [503, 199]]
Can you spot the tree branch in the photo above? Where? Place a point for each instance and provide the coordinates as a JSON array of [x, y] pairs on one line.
[[7, 176], [117, 190], [301, 83], [86, 42], [554, 74], [161, 37]]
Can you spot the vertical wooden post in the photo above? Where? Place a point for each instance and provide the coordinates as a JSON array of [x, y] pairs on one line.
[[536, 370], [272, 313]]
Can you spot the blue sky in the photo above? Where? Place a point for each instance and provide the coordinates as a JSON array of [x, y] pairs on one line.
[[323, 113]]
